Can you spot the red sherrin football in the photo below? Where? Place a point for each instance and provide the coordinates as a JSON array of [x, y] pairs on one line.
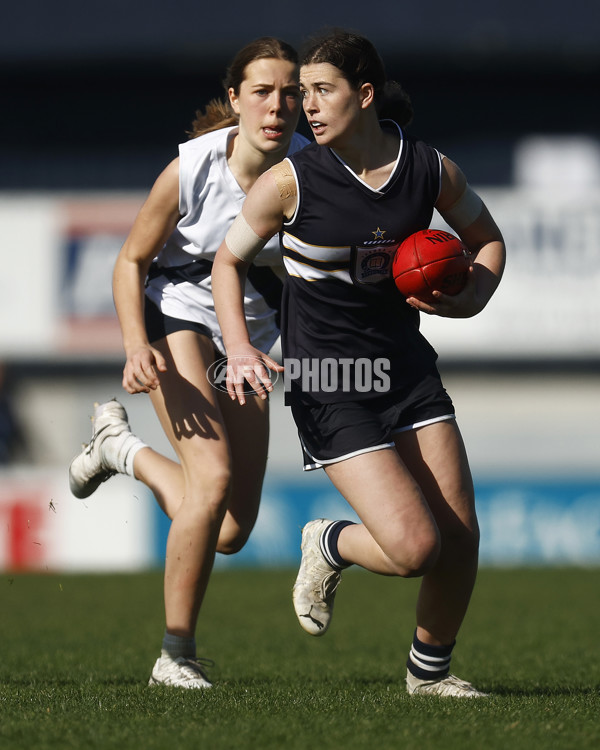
[[430, 260]]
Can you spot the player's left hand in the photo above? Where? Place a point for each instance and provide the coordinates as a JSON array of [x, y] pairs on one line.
[[465, 304], [249, 365]]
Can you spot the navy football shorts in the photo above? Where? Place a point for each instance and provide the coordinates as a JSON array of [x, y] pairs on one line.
[[159, 325], [330, 433]]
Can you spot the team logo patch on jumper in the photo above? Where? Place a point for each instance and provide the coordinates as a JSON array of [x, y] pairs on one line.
[[372, 263]]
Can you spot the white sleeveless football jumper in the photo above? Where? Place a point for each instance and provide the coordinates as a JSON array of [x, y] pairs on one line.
[[210, 198]]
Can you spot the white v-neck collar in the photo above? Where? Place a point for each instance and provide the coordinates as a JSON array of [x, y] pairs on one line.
[[381, 188]]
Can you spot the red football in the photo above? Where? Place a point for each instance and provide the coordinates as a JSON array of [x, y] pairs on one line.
[[430, 260]]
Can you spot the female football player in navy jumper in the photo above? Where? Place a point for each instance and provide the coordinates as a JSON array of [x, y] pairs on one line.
[[171, 338], [360, 378]]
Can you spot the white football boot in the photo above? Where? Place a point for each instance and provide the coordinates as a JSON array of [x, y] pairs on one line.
[[313, 593], [446, 687], [106, 452], [184, 672]]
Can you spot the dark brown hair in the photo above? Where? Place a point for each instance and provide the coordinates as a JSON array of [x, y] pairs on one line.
[[218, 112], [359, 62]]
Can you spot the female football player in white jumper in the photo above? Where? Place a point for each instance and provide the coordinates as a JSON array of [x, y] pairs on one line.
[[162, 292], [394, 451]]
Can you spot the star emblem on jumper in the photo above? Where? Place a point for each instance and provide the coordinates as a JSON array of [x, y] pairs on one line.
[[378, 233]]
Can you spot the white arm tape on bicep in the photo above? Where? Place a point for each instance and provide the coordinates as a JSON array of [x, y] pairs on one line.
[[464, 212], [242, 240]]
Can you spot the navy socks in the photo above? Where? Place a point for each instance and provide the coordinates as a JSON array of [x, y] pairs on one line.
[[429, 662], [328, 544]]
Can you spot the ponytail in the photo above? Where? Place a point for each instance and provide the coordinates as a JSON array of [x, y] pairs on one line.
[[217, 114], [395, 104]]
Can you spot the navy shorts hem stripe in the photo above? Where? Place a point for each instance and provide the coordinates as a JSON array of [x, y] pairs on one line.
[[311, 463], [424, 423]]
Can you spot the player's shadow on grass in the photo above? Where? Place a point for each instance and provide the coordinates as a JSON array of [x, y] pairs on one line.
[[336, 684], [541, 691]]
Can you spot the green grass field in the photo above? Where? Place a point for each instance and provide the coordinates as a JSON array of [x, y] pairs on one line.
[[77, 652]]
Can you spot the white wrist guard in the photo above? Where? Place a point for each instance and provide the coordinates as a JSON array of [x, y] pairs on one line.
[[242, 240]]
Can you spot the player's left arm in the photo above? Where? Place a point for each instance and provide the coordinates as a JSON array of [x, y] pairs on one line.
[[261, 218], [464, 211]]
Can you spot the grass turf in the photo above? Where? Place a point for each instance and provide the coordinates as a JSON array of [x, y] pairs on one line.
[[77, 652]]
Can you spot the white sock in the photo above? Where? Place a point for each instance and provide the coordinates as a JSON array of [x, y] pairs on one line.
[[119, 452], [130, 454]]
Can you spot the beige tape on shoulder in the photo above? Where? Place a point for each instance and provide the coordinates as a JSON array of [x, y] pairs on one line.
[[242, 240], [284, 179], [464, 212]]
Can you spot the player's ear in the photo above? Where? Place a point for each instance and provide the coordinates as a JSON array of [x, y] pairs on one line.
[[233, 100], [366, 95]]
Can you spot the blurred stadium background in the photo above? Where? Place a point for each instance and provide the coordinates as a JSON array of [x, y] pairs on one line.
[[96, 99]]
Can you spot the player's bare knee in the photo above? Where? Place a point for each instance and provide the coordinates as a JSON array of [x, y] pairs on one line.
[[232, 541], [209, 486], [416, 556], [423, 561], [239, 520]]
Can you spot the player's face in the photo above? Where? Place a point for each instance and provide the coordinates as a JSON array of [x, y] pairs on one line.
[[331, 105], [268, 104]]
